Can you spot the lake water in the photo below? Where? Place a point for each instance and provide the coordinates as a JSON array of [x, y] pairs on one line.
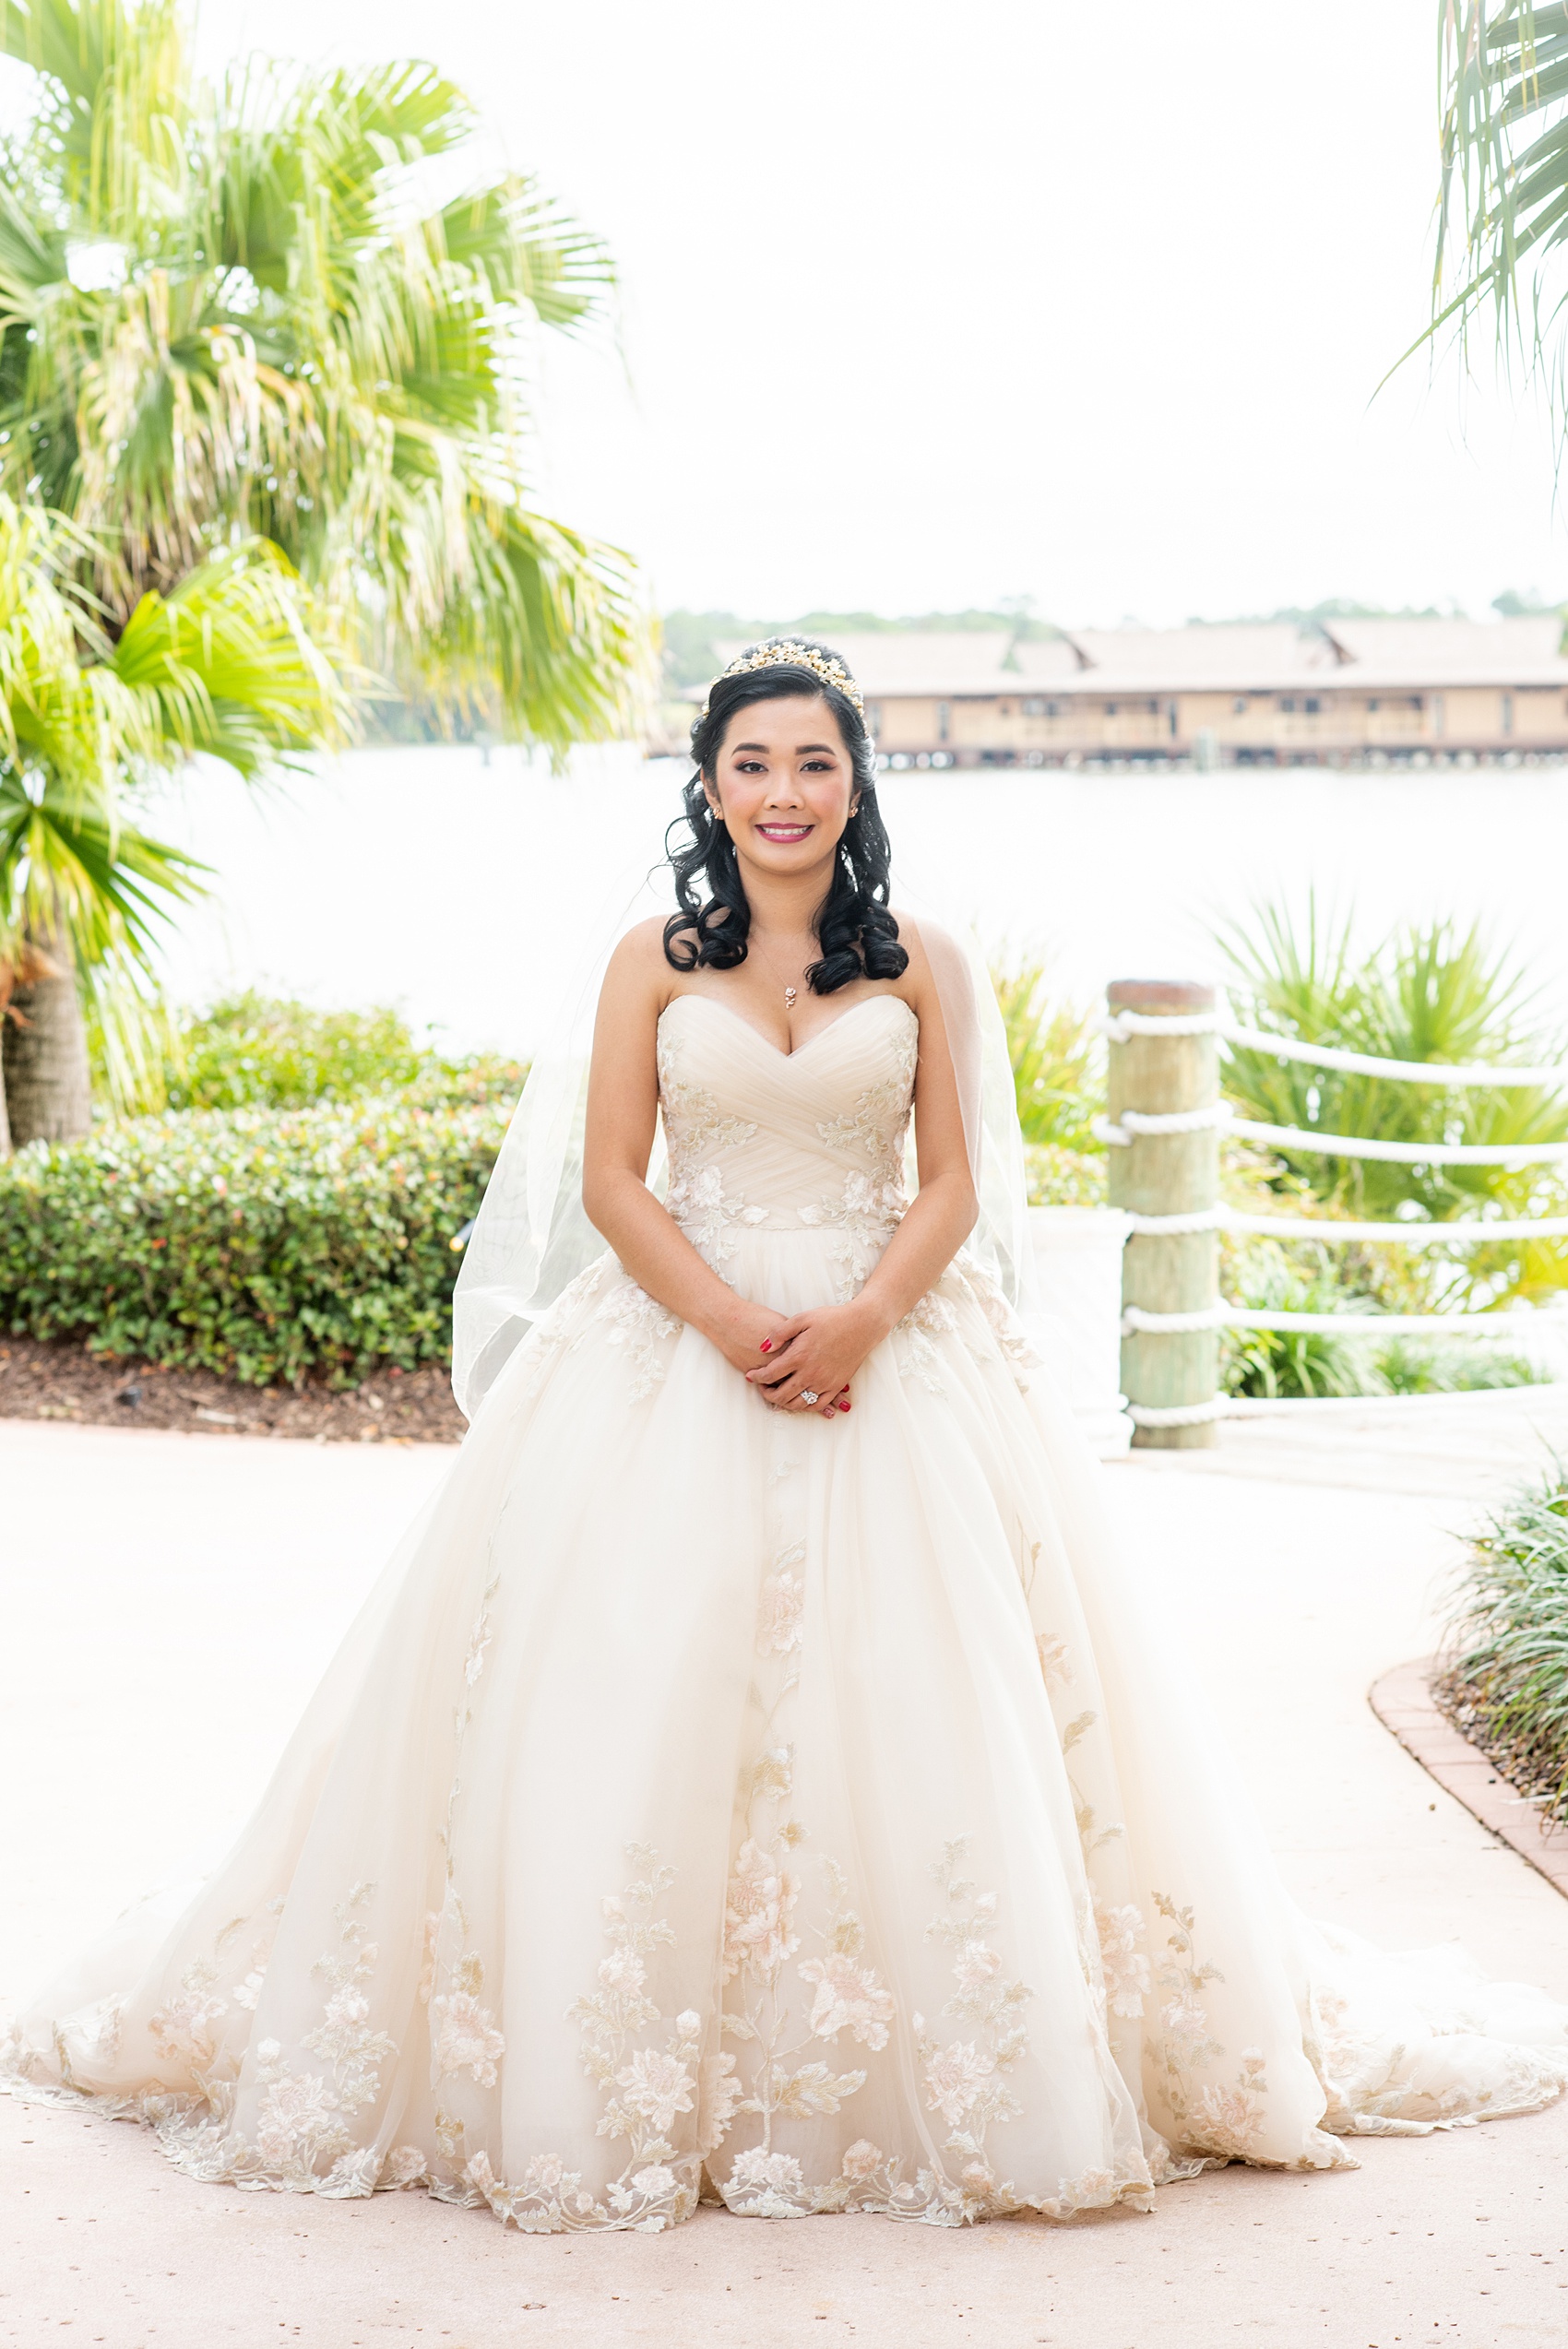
[[456, 886]]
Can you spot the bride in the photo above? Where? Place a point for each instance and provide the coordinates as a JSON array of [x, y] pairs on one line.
[[748, 1781]]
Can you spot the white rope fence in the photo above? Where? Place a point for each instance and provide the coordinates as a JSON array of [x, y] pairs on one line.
[[1266, 1317], [1180, 1415], [1218, 1117], [1119, 1134], [1471, 1231], [1302, 1406], [1123, 1026]]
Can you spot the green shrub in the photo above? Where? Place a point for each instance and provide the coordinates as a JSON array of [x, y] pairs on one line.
[[261, 1243], [261, 1052], [1058, 1177], [252, 1051]]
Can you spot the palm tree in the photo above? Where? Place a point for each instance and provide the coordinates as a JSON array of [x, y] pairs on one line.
[[225, 666], [291, 305], [287, 312], [1503, 208]]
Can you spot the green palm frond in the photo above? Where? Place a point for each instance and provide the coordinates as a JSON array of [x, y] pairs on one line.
[[75, 877], [1504, 203], [106, 891], [233, 663], [85, 45], [74, 872], [228, 666]]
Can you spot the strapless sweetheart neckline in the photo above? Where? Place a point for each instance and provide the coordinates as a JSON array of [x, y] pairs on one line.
[[867, 1002]]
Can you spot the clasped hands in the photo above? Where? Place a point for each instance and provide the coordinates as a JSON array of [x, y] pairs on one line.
[[791, 1356]]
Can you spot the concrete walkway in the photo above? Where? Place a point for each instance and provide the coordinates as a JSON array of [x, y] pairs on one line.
[[167, 1602]]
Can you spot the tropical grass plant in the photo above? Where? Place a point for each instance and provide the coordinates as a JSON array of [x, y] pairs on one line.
[[1058, 1081], [1504, 1680], [1058, 1060], [1291, 1362], [1432, 991], [1307, 1363], [1406, 1366]]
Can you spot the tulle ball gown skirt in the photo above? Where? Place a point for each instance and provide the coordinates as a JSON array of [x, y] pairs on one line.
[[717, 1802]]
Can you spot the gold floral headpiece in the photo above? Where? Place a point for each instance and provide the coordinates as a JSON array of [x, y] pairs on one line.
[[788, 652]]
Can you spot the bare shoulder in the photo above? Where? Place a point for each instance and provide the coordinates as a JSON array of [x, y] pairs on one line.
[[640, 953], [642, 944], [638, 972]]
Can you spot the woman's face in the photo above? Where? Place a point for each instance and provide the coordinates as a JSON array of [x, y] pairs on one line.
[[784, 784]]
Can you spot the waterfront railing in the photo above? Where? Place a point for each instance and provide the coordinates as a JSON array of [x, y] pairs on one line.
[[1166, 1117]]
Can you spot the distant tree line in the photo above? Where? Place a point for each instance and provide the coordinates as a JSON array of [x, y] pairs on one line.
[[691, 639]]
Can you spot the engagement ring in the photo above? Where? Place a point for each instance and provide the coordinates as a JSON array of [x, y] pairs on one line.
[[809, 1394]]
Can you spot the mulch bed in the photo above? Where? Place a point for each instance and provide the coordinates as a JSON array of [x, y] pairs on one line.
[[60, 1381], [1533, 1766]]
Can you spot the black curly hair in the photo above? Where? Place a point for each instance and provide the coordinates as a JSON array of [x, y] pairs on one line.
[[857, 935]]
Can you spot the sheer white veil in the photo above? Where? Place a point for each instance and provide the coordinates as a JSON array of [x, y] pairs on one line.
[[532, 1235]]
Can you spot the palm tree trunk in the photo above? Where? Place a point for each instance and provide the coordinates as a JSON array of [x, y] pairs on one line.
[[48, 1094]]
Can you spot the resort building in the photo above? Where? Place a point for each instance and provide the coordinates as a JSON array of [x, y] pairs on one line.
[[1271, 695]]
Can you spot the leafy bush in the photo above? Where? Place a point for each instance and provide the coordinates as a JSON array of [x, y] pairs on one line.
[[251, 1052], [1507, 1683], [259, 1052], [1058, 1177], [261, 1243]]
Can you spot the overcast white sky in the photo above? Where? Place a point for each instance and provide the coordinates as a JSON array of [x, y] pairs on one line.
[[922, 305]]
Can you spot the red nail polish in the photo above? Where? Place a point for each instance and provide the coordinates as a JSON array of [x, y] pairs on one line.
[[766, 1345], [846, 1406]]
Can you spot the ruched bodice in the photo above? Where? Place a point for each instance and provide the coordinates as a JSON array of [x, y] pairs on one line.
[[797, 1140]]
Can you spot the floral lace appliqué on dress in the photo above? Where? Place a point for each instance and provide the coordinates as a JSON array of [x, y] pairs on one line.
[[649, 2088]]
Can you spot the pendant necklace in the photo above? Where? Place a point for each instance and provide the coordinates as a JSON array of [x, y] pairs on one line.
[[790, 993]]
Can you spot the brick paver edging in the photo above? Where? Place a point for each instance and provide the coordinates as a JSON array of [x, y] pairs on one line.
[[1403, 1702]]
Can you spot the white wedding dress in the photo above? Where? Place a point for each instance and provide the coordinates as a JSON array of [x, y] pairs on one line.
[[716, 1801]]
